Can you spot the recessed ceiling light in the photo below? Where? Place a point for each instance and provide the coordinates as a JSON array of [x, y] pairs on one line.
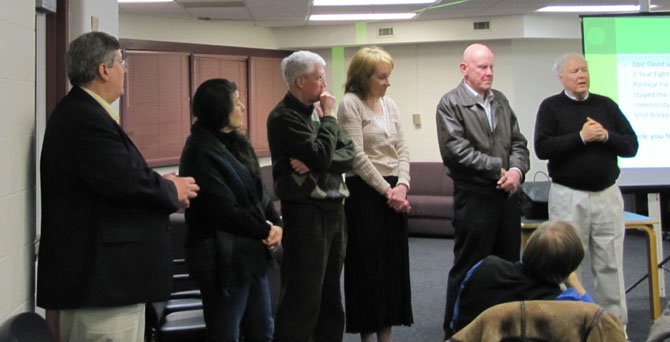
[[361, 16], [591, 8], [369, 2], [134, 1]]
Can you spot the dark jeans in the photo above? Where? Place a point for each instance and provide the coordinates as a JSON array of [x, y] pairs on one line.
[[247, 308], [310, 305], [485, 224]]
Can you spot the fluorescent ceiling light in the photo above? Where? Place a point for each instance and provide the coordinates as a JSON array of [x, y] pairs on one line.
[[138, 1], [361, 16], [369, 2], [591, 8]]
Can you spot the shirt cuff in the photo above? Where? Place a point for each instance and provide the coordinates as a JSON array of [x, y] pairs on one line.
[[517, 170]]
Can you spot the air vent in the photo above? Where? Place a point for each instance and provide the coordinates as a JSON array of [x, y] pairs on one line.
[[385, 32], [481, 25]]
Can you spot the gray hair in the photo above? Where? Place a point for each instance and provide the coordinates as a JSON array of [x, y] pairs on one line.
[[560, 61], [299, 63], [86, 53]]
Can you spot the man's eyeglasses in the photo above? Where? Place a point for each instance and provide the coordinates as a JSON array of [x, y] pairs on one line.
[[320, 79], [123, 63]]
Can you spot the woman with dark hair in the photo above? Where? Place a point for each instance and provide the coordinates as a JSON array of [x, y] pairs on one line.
[[232, 225]]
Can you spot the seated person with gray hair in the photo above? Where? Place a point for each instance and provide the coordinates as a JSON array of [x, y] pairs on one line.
[[553, 253]]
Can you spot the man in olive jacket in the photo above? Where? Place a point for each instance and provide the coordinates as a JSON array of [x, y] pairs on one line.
[[309, 154], [105, 248]]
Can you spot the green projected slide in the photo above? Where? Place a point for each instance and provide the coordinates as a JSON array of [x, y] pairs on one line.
[[629, 61]]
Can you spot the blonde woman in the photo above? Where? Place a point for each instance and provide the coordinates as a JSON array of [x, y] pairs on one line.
[[377, 284]]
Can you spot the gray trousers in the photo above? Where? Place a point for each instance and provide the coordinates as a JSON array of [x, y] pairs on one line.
[[660, 330], [599, 218]]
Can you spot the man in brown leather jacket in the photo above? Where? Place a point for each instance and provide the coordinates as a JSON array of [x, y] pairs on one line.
[[481, 144]]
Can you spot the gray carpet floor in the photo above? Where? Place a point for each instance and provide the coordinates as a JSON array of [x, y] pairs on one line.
[[431, 258]]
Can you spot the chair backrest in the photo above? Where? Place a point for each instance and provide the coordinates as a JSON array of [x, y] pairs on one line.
[[430, 178], [178, 232], [266, 177], [25, 327], [543, 320]]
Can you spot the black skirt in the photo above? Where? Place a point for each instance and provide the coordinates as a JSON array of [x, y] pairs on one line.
[[376, 274]]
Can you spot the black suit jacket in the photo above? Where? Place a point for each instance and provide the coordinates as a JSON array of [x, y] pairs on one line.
[[105, 238]]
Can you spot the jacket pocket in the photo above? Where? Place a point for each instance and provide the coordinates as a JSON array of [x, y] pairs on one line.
[[122, 231]]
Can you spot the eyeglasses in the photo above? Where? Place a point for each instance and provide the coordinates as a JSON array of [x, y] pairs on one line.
[[320, 79], [123, 63]]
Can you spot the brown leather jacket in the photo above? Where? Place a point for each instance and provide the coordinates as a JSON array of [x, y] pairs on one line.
[[473, 153], [543, 320]]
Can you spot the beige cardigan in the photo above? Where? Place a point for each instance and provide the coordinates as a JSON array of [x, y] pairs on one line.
[[379, 152]]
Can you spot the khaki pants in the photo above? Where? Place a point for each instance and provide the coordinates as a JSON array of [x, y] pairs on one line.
[[122, 324], [599, 218]]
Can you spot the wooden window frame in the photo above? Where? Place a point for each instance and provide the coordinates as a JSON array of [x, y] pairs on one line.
[[242, 83], [258, 140], [174, 131]]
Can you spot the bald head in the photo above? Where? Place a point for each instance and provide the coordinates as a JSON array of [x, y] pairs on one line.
[[477, 68], [475, 51]]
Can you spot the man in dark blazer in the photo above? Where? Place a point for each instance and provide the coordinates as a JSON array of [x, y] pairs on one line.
[[105, 248]]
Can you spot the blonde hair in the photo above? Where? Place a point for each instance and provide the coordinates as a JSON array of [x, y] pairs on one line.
[[362, 67]]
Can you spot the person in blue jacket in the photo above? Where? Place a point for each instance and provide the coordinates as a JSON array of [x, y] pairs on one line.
[[553, 253]]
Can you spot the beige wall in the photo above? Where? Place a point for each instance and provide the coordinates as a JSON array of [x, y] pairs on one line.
[[195, 31], [84, 12], [17, 167], [413, 32]]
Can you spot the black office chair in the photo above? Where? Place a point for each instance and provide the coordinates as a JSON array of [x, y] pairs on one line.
[[25, 327], [180, 317]]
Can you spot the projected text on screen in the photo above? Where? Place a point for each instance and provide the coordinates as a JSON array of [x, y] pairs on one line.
[[644, 95], [629, 61]]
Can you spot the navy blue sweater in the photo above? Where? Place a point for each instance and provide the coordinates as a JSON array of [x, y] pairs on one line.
[[588, 167]]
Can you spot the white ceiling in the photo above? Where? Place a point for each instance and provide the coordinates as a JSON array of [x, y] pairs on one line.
[[278, 13]]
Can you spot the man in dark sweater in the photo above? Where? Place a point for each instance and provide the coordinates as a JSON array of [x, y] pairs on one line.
[[582, 135], [309, 154]]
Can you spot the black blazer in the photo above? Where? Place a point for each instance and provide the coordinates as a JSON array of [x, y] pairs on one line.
[[105, 238]]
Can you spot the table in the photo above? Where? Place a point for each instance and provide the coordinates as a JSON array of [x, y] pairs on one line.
[[633, 221]]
